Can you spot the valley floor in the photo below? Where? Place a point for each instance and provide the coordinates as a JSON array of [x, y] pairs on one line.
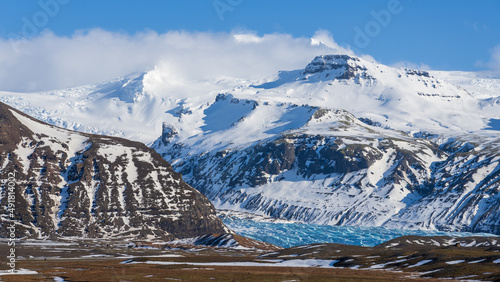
[[99, 260], [112, 270]]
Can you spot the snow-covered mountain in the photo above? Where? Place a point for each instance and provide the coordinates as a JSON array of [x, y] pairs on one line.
[[284, 148], [343, 141], [58, 182], [135, 107], [132, 107], [335, 169]]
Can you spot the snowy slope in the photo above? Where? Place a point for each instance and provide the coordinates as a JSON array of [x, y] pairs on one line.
[[403, 99], [337, 170], [132, 107], [283, 148], [483, 84]]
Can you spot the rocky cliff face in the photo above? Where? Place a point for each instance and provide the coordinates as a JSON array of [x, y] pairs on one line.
[[338, 170], [346, 67], [72, 184], [346, 141]]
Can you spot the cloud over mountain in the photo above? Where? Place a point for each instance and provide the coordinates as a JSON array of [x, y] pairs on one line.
[[49, 61], [494, 62]]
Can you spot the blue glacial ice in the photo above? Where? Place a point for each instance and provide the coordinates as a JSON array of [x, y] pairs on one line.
[[296, 234]]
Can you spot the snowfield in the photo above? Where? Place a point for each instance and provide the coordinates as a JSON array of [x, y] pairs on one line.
[[135, 106]]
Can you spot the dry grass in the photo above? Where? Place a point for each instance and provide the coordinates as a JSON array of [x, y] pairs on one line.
[[112, 270], [73, 263]]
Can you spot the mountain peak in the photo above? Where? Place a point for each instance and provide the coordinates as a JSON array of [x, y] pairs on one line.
[[344, 65], [330, 62], [127, 89]]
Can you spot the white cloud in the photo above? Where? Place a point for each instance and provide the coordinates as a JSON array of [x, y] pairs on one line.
[[494, 63], [410, 65], [324, 37], [247, 38], [52, 62]]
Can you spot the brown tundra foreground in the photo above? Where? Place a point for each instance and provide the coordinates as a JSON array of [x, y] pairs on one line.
[[401, 259]]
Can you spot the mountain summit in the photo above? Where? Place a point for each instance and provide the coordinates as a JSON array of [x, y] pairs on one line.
[[344, 64]]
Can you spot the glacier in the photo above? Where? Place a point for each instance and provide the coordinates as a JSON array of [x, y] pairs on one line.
[[292, 234]]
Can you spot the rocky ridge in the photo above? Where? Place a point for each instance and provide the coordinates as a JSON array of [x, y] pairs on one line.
[[73, 184]]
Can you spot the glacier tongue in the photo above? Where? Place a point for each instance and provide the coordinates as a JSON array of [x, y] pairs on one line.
[[291, 234]]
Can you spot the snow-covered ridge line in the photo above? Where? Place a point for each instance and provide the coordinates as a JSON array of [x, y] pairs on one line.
[[135, 107]]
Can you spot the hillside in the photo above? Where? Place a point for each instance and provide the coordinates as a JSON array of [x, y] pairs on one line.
[[69, 184]]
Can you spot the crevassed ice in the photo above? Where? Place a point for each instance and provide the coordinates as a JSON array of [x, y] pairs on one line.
[[296, 234]]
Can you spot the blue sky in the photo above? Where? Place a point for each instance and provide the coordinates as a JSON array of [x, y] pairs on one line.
[[444, 35]]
